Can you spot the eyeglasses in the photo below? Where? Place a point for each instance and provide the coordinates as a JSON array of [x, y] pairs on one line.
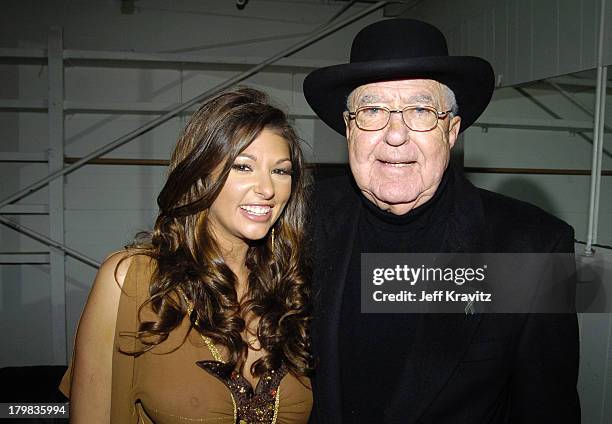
[[417, 118]]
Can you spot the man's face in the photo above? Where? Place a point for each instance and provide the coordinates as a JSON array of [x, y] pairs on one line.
[[396, 168]]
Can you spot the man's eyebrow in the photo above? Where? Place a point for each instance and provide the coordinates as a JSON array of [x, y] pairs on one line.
[[370, 98], [416, 99], [421, 99]]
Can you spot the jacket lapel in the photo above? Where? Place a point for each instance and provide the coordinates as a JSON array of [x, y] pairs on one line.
[[334, 240]]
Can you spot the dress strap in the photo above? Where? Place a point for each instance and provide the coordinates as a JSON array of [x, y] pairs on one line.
[[209, 343]]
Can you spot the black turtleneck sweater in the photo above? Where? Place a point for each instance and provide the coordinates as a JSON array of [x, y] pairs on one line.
[[421, 230]]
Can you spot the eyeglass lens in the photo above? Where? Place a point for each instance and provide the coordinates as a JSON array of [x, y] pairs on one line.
[[416, 118]]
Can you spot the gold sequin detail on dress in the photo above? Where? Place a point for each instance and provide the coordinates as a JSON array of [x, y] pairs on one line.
[[257, 406]]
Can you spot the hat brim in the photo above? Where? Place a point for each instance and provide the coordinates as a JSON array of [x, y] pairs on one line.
[[471, 79]]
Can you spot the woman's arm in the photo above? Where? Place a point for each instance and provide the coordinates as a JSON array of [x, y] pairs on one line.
[[90, 393]]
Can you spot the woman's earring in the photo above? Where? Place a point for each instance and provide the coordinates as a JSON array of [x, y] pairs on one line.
[[272, 237]]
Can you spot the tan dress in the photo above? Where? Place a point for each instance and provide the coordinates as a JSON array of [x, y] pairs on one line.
[[165, 385]]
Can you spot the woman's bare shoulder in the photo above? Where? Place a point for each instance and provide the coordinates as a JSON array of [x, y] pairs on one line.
[[117, 264]]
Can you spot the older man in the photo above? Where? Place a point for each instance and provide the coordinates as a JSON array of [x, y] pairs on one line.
[[402, 101]]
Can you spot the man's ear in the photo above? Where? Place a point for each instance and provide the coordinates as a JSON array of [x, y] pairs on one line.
[[347, 126], [453, 130]]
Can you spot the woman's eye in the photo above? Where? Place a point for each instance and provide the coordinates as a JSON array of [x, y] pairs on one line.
[[282, 171], [241, 167]]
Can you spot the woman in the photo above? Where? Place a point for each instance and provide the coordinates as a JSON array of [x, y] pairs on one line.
[[207, 319]]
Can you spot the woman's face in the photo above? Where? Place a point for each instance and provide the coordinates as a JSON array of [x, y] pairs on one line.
[[255, 193]]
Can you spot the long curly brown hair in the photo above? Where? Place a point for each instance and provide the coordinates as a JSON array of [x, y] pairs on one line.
[[189, 260]]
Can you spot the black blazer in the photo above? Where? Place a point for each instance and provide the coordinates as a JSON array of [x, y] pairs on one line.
[[482, 368]]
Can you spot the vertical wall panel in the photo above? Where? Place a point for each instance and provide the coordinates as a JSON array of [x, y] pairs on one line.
[[490, 33], [569, 36], [454, 41], [524, 44], [512, 40], [545, 37], [465, 46], [56, 195], [608, 41], [500, 54], [590, 33], [477, 35]]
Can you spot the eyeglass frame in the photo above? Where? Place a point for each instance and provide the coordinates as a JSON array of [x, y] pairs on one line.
[[439, 115]]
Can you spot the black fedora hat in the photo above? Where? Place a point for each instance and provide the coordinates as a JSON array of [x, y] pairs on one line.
[[397, 49]]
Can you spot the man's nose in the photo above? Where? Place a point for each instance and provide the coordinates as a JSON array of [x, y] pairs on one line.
[[397, 132], [264, 186]]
